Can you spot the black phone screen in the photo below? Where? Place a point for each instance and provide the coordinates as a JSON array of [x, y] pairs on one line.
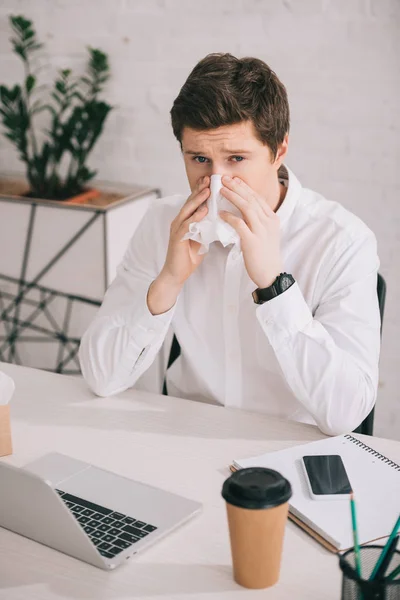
[[327, 474]]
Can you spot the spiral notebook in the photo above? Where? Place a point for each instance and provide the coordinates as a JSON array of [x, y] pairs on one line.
[[375, 480]]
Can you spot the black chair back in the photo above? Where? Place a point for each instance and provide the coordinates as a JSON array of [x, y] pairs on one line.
[[367, 426], [173, 355]]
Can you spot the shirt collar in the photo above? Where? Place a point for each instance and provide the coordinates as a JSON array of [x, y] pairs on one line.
[[292, 195]]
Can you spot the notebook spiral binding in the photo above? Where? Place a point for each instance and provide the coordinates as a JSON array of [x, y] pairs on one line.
[[373, 452]]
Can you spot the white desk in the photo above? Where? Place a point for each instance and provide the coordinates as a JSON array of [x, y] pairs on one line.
[[182, 446]]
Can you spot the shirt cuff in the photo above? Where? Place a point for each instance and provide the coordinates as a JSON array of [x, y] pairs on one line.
[[284, 316], [148, 327], [145, 330]]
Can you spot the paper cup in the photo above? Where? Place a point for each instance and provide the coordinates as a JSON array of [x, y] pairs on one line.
[[257, 509]]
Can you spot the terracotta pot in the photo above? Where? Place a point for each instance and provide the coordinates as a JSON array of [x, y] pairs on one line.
[[83, 198]]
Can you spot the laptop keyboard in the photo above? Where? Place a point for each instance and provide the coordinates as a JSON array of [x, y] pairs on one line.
[[112, 532]]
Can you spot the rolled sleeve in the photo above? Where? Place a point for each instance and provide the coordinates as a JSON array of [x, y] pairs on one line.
[[145, 331], [329, 355], [284, 316], [124, 338]]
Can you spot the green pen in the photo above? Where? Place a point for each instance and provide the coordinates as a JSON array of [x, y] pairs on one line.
[[355, 535], [385, 549], [393, 574]]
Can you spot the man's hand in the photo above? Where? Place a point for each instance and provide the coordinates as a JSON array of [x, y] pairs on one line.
[[182, 256], [259, 231]]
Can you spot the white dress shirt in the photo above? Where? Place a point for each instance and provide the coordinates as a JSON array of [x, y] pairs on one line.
[[310, 354]]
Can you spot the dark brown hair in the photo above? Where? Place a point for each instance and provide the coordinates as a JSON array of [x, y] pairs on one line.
[[223, 90]]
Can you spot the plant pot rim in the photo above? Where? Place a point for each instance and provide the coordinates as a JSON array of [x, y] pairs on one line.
[[103, 196]]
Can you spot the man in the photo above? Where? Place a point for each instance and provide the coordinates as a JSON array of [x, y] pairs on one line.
[[289, 326]]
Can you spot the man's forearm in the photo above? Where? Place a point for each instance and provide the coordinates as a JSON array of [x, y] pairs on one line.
[[162, 295], [332, 371]]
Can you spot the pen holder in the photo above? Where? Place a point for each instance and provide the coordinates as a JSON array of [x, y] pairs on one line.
[[356, 588], [5, 430]]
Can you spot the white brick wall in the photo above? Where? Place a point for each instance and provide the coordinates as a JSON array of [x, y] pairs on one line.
[[338, 58]]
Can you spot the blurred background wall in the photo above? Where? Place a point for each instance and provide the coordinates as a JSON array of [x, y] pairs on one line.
[[339, 60]]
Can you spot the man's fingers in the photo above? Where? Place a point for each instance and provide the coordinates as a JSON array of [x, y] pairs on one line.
[[194, 201], [237, 223], [200, 213], [241, 188], [197, 216], [203, 182], [251, 211]]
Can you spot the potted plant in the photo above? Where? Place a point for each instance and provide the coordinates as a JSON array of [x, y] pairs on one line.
[[77, 118], [60, 242]]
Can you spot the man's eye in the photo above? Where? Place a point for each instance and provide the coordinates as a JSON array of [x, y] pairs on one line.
[[203, 159]]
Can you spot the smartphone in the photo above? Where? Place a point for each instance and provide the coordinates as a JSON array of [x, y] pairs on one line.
[[326, 477]]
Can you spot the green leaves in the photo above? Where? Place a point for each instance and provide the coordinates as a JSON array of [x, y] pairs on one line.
[[98, 72], [15, 118], [64, 89], [9, 95], [24, 42], [30, 83], [77, 118]]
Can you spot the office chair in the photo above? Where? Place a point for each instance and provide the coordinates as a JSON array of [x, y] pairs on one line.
[[173, 355], [367, 425]]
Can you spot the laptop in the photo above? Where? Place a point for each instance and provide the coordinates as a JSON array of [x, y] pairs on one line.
[[89, 513]]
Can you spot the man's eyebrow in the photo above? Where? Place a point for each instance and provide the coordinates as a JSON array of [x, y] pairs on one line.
[[226, 151]]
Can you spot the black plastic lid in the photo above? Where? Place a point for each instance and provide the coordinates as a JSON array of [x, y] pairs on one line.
[[256, 487]]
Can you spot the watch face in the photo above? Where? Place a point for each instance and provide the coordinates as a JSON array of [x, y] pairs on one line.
[[282, 283], [285, 282]]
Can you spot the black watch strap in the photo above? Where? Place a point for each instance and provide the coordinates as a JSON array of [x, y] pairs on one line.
[[280, 285]]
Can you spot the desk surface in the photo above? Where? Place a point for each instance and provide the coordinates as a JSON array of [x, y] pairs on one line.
[[178, 445]]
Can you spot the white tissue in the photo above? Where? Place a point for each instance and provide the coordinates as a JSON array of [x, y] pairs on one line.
[[7, 388], [212, 228]]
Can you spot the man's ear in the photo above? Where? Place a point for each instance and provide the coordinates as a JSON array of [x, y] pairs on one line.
[[282, 152]]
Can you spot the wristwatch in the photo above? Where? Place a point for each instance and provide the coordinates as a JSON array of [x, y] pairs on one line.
[[283, 282]]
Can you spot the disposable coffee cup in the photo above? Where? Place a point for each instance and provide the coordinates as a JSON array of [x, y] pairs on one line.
[[257, 502]]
